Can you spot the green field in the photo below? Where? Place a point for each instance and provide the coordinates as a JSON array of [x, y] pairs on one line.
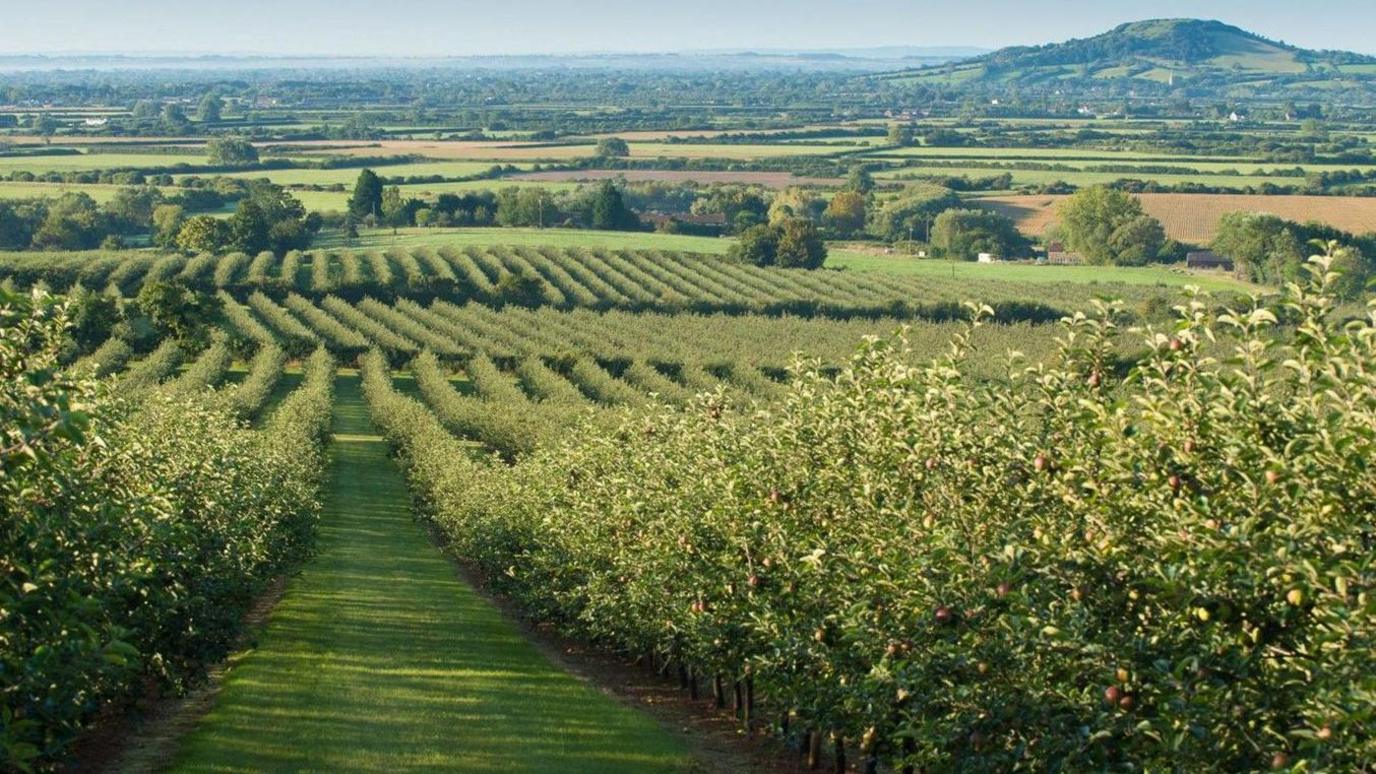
[[347, 175], [96, 161], [101, 193], [1032, 273]]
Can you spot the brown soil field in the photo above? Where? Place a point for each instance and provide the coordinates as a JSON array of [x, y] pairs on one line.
[[1193, 218], [766, 179]]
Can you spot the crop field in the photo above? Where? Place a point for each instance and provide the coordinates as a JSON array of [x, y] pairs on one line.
[[11, 190], [1076, 177], [95, 161], [706, 177], [347, 175], [1194, 218]]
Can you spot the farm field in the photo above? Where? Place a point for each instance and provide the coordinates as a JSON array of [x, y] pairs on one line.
[[1025, 272], [101, 193], [1194, 218], [1080, 178], [347, 175], [707, 177], [95, 161]]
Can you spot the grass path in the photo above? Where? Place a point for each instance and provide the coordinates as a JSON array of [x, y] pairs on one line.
[[379, 658]]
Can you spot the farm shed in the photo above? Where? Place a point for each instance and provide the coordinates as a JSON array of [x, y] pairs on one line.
[[1208, 259], [1057, 255]]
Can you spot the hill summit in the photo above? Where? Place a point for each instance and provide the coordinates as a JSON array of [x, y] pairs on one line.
[[1161, 51]]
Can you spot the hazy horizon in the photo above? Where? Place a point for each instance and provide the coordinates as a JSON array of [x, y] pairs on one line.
[[433, 28]]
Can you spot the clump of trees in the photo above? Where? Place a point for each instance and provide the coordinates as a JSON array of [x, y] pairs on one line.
[[1109, 227], [910, 214], [965, 233], [1270, 250], [612, 148], [230, 151], [74, 221], [269, 218], [791, 243]]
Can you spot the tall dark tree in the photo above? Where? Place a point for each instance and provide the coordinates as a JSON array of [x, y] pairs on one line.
[[367, 197], [609, 210]]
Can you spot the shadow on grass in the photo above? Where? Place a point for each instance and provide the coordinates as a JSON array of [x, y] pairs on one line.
[[380, 659]]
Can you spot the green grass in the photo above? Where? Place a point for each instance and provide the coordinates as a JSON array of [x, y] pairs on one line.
[[379, 659], [1028, 272], [93, 161], [101, 193]]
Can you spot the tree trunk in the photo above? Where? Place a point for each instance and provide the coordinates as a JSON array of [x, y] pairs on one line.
[[718, 692], [840, 765], [814, 748]]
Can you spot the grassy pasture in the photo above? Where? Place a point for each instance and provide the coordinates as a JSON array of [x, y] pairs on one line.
[[1043, 154], [1032, 273], [347, 176], [85, 162], [101, 193]]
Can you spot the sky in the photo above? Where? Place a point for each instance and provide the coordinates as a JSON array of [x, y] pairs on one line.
[[462, 27]]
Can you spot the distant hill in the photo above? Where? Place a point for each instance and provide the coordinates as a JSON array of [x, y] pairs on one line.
[[1158, 53]]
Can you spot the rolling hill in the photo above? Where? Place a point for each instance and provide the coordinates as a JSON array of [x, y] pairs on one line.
[[1160, 54]]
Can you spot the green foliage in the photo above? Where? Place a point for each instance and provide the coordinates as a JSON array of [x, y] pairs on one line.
[[178, 311], [203, 234], [93, 317], [367, 196], [792, 243], [612, 147], [133, 537], [800, 245], [521, 289], [910, 214], [846, 211], [964, 234], [230, 151], [1056, 571], [609, 210], [1108, 226]]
